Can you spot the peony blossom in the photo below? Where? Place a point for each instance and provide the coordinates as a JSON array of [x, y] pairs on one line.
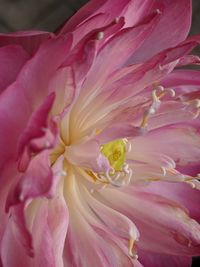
[[100, 139]]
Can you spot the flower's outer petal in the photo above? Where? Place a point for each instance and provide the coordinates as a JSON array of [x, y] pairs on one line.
[[19, 100], [93, 8], [179, 234], [29, 40], [162, 260], [174, 15], [12, 59]]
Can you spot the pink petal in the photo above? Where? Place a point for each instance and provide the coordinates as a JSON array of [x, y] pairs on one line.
[[12, 59], [48, 234], [126, 41], [153, 214], [137, 10], [189, 59], [19, 100], [101, 105], [36, 130], [35, 182], [87, 155], [184, 81], [84, 53], [90, 223], [63, 86], [29, 40], [163, 35], [12, 253], [97, 21], [58, 219], [93, 8], [118, 131], [179, 142], [163, 260], [181, 193]]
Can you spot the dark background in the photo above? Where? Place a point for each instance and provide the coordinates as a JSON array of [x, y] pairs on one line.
[[49, 14]]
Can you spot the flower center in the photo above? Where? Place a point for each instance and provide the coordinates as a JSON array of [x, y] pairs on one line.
[[115, 152], [120, 173]]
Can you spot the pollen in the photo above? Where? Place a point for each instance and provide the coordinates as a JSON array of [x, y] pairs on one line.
[[115, 152]]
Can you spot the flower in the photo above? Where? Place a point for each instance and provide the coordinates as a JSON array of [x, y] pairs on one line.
[[100, 141]]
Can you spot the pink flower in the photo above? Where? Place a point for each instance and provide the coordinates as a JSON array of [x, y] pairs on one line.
[[100, 140]]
